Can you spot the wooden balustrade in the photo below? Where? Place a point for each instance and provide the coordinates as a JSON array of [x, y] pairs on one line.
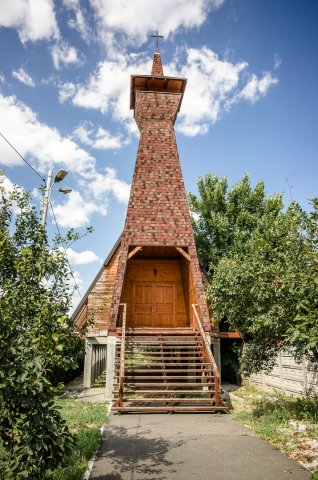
[[208, 353]]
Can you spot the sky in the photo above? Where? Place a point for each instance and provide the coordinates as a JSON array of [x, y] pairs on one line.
[[250, 104]]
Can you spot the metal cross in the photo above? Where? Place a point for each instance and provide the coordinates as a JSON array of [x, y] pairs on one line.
[[157, 36]]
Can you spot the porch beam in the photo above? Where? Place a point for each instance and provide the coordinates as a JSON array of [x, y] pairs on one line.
[[133, 252], [229, 335], [180, 250]]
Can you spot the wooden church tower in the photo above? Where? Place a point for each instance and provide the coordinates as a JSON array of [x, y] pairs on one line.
[[151, 319]]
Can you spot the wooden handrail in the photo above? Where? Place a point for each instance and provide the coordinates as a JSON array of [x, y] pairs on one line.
[[122, 355], [208, 354]]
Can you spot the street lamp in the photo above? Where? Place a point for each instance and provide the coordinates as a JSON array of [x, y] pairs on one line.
[[65, 190], [61, 174]]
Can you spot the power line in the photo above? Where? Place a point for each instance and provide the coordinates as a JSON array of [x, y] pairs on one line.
[[59, 232], [57, 226], [16, 151]]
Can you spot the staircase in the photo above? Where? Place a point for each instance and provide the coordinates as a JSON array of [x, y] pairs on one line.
[[166, 372]]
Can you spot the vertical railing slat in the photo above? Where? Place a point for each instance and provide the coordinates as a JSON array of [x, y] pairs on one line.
[[208, 354]]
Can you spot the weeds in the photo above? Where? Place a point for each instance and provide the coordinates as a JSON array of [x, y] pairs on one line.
[[289, 423]]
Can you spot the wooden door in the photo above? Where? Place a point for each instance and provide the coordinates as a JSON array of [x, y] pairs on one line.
[[165, 305], [142, 304], [153, 305]]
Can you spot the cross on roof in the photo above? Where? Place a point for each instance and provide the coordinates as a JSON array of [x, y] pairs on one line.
[[157, 36]]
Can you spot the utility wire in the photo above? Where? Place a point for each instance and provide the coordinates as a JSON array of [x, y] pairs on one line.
[[59, 232], [16, 151], [57, 226]]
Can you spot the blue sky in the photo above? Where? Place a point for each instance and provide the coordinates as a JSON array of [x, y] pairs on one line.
[[250, 106]]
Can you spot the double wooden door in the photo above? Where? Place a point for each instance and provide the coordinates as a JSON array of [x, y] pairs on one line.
[[153, 304]]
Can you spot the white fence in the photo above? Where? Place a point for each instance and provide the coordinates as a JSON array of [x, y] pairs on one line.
[[288, 376]]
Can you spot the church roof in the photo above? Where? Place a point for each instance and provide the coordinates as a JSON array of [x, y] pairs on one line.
[[156, 82], [106, 262]]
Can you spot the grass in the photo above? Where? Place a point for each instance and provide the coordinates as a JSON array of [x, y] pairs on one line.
[[289, 423], [84, 421], [100, 381]]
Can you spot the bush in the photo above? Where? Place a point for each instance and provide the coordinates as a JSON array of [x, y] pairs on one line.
[[37, 338]]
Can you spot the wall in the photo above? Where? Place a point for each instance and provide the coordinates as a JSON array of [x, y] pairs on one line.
[[288, 376]]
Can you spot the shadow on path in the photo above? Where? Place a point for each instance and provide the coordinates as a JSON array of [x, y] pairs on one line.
[[128, 451]]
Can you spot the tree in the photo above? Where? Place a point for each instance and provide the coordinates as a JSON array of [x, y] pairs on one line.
[[264, 272], [226, 218], [36, 336]]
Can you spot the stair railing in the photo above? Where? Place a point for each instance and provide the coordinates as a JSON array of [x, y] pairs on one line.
[[208, 353], [122, 355]]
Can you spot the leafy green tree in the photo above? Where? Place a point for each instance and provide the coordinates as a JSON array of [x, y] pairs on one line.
[[226, 218], [264, 269], [36, 337]]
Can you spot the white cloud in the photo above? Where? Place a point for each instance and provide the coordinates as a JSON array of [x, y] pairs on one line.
[[77, 21], [81, 258], [23, 77], [211, 81], [33, 19], [64, 54], [107, 89], [2, 79], [66, 91], [256, 87], [98, 138], [45, 148], [78, 278], [277, 61], [76, 211], [109, 183], [195, 216], [214, 86], [38, 141], [7, 185], [135, 20]]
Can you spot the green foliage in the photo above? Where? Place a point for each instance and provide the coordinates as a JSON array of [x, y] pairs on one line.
[[263, 263], [84, 420], [226, 218], [36, 337]]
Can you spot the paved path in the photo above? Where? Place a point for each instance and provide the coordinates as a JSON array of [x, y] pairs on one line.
[[94, 395], [184, 447]]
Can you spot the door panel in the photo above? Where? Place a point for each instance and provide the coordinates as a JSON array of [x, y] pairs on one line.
[[165, 308], [142, 305], [153, 305]]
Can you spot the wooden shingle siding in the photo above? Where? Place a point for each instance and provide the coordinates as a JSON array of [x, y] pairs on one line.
[[99, 298]]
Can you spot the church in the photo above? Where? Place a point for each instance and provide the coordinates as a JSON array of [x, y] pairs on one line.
[[149, 323]]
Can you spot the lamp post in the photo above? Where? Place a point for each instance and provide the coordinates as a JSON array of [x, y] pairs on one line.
[[61, 174]]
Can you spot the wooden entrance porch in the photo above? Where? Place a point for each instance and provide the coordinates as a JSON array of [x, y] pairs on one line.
[[158, 288]]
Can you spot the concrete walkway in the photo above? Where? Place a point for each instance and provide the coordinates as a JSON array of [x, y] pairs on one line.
[[93, 395], [181, 446]]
